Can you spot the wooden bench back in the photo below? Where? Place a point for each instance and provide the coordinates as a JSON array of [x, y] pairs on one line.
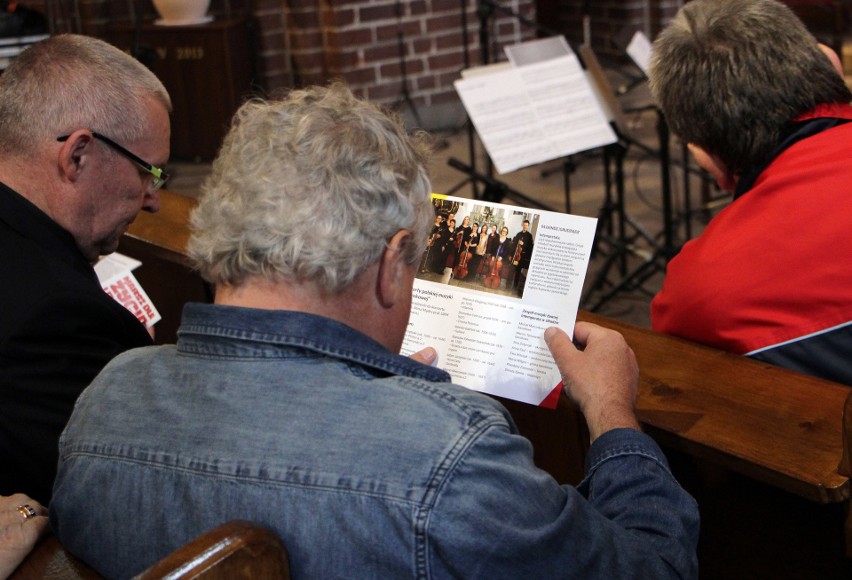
[[778, 426]]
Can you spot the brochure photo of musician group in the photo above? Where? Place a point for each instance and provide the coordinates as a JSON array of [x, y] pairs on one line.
[[479, 247]]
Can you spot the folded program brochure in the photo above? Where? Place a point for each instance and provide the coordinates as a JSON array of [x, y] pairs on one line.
[[492, 279]]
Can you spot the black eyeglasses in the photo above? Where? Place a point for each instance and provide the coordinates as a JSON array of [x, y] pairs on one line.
[[160, 176]]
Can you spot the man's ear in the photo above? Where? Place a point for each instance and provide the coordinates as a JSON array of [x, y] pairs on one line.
[[74, 155], [714, 166], [833, 58], [395, 273]]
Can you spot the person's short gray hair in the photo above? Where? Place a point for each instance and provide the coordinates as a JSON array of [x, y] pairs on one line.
[[69, 82], [731, 75], [310, 188]]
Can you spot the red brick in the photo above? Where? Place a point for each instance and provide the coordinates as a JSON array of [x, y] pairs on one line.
[[352, 38], [384, 93], [301, 4], [445, 41], [304, 20], [453, 6], [360, 76], [426, 83], [377, 11], [394, 70], [443, 23], [439, 62], [340, 18], [309, 61], [305, 78], [410, 29], [310, 39], [423, 45], [340, 60], [383, 53]]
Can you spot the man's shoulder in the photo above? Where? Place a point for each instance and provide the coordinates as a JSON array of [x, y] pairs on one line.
[[454, 399]]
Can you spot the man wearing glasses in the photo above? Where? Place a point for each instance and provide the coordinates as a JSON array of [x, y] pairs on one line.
[[84, 134]]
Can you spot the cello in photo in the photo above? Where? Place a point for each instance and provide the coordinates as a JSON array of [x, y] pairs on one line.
[[492, 280], [461, 270], [495, 273]]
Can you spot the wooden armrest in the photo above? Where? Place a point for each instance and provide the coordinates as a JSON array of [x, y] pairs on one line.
[[235, 549]]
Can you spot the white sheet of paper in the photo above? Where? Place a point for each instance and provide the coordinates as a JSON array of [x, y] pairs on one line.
[[639, 50], [534, 113], [115, 275], [115, 264], [539, 50]]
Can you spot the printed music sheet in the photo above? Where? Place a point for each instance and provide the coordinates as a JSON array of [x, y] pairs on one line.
[[540, 107]]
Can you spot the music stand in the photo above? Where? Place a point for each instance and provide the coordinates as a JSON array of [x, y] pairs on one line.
[[485, 10], [533, 109], [662, 253]]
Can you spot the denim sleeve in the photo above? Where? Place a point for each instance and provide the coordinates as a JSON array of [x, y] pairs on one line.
[[498, 516]]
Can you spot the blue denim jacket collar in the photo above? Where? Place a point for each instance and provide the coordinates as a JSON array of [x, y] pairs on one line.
[[227, 330]]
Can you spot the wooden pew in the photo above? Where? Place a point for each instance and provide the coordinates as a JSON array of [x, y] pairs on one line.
[[786, 429], [775, 425]]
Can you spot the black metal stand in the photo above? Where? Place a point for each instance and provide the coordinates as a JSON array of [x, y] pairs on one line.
[[661, 254], [406, 94], [613, 221], [495, 190]]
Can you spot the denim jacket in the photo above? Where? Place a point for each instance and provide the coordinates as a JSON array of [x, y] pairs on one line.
[[365, 463]]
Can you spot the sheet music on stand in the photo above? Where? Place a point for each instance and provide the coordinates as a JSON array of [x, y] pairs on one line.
[[540, 106], [639, 50]]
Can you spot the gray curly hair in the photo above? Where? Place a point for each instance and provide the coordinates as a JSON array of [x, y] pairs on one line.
[[69, 82], [311, 188]]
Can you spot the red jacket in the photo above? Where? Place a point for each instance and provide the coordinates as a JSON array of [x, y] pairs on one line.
[[771, 276]]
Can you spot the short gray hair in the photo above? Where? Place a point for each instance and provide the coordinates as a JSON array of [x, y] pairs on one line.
[[311, 188], [731, 75], [69, 82]]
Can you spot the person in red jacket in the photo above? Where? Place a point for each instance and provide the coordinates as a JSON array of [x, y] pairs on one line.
[[765, 112]]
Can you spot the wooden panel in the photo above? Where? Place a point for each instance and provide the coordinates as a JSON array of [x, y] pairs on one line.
[[778, 426], [207, 70]]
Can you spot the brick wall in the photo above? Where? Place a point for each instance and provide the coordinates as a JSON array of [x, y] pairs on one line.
[[366, 42], [407, 52]]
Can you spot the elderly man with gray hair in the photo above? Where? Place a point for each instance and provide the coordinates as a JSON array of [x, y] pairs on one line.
[[285, 402]]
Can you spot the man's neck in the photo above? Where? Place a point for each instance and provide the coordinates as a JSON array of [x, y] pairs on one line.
[[353, 306]]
